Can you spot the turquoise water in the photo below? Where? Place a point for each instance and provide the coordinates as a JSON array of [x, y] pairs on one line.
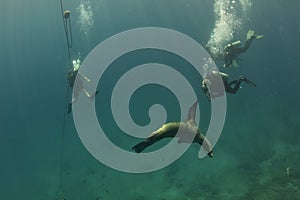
[[259, 142]]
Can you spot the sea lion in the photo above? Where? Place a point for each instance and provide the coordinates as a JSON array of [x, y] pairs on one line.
[[188, 129]]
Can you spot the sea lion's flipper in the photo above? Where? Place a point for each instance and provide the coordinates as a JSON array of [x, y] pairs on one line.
[[139, 147], [192, 113], [146, 143]]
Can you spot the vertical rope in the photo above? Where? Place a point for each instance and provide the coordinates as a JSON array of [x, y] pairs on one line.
[[69, 39], [62, 143]]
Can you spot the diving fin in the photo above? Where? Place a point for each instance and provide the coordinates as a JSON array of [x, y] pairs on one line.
[[247, 81], [259, 36], [250, 33]]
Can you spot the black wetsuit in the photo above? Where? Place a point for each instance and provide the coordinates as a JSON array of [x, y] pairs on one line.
[[231, 52], [233, 86], [230, 87]]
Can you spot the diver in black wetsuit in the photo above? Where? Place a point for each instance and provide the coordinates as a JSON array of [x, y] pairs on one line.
[[217, 91], [233, 50], [71, 77]]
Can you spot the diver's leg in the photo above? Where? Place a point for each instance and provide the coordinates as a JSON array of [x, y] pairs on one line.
[[249, 38], [243, 49], [228, 62], [75, 94], [248, 43], [71, 103], [233, 86], [74, 99], [69, 108]]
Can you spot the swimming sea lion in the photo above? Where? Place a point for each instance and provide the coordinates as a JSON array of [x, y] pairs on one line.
[[188, 129]]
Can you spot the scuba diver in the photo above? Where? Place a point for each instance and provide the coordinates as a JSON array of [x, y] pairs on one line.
[[233, 50], [71, 77], [217, 91]]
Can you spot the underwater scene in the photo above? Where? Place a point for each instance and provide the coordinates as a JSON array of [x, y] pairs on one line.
[[150, 99]]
